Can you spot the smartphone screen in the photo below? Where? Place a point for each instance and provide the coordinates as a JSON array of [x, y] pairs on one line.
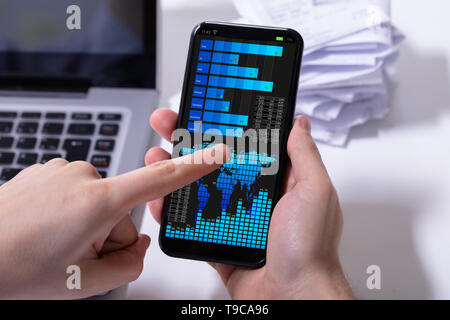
[[240, 89]]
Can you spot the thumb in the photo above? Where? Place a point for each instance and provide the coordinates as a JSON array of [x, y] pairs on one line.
[[305, 157], [116, 268]]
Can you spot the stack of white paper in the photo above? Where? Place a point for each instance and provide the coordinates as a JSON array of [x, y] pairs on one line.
[[348, 44]]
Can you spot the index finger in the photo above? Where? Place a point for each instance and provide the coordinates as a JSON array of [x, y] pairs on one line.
[[164, 177]]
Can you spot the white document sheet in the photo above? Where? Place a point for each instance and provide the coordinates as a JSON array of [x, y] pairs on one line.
[[370, 79], [327, 107], [319, 107], [336, 132], [374, 39], [347, 94], [348, 45], [349, 58], [328, 76], [318, 24]]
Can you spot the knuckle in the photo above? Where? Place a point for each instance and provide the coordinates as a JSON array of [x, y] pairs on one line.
[[291, 144], [166, 167], [79, 164], [84, 167], [311, 146], [57, 161], [307, 145], [33, 167]]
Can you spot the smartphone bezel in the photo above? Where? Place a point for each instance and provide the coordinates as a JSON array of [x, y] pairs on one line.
[[212, 252]]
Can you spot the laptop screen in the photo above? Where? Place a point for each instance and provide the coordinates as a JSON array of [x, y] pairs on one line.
[[111, 43]]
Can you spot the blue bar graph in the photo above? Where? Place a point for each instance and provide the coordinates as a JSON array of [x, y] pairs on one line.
[[204, 56], [195, 115], [202, 67], [214, 93], [248, 48], [201, 79], [245, 84], [215, 129], [206, 44], [199, 91], [218, 70], [197, 103], [227, 58], [225, 118], [217, 105], [222, 130], [234, 71], [194, 126]]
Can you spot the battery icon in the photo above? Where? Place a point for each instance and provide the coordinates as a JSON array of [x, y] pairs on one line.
[[280, 38]]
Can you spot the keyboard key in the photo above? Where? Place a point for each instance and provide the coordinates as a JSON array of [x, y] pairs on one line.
[[27, 127], [46, 157], [31, 115], [77, 149], [53, 128], [82, 116], [101, 161], [26, 143], [27, 159], [109, 129], [110, 117], [9, 173], [6, 142], [49, 144], [56, 115], [103, 174], [8, 115], [82, 129], [6, 157], [6, 127], [104, 145]]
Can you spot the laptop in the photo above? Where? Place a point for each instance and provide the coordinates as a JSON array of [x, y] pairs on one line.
[[78, 80]]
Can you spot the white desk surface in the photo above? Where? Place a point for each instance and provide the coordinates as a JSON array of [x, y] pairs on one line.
[[393, 178]]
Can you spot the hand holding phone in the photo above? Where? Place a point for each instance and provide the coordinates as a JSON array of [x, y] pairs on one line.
[[305, 228], [302, 258]]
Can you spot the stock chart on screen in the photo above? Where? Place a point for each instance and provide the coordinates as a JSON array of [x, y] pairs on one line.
[[236, 86]]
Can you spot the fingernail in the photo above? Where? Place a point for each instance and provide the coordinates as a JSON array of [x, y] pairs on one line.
[[213, 151], [223, 151], [305, 123]]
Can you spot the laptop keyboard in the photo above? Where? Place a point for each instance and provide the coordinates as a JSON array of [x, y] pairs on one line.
[[28, 137]]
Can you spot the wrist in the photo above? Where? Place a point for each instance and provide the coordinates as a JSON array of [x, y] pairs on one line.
[[318, 282], [326, 282]]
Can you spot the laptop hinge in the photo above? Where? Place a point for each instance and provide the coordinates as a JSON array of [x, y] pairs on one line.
[[44, 86]]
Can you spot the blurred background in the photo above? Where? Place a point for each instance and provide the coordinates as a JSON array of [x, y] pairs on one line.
[[392, 173]]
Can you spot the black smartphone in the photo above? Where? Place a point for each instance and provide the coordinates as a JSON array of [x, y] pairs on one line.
[[240, 88]]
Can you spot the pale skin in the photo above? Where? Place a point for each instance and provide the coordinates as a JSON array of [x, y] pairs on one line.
[[60, 214], [306, 226]]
